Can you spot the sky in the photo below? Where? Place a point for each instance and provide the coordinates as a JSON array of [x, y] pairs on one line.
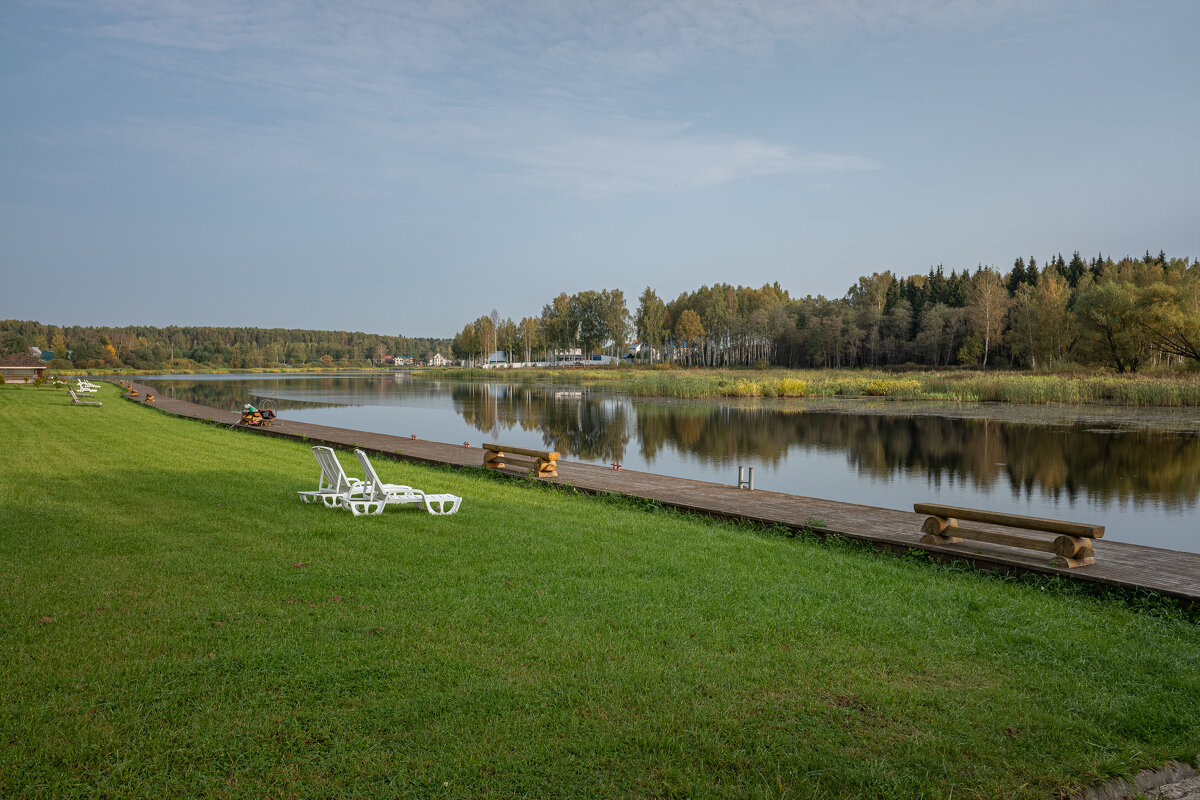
[[404, 167]]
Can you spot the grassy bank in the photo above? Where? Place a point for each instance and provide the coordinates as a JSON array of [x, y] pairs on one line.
[[1003, 387], [174, 622]]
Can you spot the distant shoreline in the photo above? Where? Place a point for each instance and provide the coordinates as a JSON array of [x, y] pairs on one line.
[[1156, 390]]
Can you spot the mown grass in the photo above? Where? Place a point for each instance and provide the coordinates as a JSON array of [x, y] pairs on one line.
[[1181, 389], [174, 622]]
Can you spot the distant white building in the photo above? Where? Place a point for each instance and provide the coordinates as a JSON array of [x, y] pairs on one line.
[[498, 357], [439, 360], [573, 355]]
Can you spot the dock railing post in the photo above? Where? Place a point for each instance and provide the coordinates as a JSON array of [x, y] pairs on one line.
[[743, 483]]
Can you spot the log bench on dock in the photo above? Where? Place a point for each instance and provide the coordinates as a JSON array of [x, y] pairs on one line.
[[1072, 547], [544, 462]]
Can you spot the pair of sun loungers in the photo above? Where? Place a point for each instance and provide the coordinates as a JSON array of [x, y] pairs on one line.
[[85, 387], [370, 495]]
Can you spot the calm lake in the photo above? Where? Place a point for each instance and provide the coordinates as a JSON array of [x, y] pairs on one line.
[[1136, 471]]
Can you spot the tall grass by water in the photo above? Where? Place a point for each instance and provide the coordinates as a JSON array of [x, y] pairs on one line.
[[965, 386], [175, 622]]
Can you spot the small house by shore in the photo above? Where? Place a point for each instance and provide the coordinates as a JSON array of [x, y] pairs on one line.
[[21, 368]]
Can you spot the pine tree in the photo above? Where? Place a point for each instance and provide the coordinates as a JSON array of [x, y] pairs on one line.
[[1016, 276]]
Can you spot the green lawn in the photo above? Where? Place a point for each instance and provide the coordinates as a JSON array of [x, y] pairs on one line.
[[174, 622]]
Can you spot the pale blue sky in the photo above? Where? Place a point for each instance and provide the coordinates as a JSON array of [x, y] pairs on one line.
[[403, 167]]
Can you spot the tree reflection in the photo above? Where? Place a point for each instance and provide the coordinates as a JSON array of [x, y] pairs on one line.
[[232, 395], [1058, 460], [584, 426]]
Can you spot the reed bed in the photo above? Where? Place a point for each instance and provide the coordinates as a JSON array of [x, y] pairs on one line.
[[1176, 390]]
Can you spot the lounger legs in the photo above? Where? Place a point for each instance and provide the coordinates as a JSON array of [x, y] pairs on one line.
[[436, 504], [360, 507]]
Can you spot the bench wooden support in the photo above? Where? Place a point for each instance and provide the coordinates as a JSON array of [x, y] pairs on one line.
[[1072, 548], [544, 462]]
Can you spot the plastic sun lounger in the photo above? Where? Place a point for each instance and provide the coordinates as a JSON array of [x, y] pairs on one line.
[[375, 495], [334, 484], [75, 401]]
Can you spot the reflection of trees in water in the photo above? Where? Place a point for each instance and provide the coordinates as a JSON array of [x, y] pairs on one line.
[[716, 434], [585, 427], [232, 395], [1056, 460], [1060, 461]]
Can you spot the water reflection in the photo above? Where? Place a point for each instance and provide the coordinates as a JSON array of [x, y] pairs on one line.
[[966, 461], [1058, 461], [582, 426]]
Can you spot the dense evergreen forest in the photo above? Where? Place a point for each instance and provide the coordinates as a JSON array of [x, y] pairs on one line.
[[1122, 314], [197, 348]]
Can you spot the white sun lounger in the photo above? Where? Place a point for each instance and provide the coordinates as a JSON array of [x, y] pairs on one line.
[[75, 401], [83, 387], [374, 495], [334, 482]]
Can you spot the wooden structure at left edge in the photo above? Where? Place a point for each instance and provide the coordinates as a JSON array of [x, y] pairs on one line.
[[1072, 547], [544, 461]]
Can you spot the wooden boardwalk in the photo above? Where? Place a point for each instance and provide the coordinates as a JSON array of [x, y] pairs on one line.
[[1167, 572]]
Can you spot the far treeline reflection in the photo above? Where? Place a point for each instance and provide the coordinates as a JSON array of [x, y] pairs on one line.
[[1060, 461]]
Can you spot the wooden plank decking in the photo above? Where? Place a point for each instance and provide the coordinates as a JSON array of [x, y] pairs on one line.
[[1118, 564]]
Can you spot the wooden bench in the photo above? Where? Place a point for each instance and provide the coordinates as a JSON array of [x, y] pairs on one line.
[[1072, 548], [544, 462]]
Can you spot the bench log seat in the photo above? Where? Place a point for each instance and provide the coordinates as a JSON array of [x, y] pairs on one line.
[[1072, 548], [544, 462]]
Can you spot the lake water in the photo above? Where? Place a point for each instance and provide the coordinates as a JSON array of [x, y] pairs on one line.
[[1135, 471]]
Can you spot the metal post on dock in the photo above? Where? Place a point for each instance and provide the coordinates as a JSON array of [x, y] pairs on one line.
[[743, 483]]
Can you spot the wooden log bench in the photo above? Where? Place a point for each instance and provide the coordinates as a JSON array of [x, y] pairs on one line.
[[544, 462], [1072, 548]]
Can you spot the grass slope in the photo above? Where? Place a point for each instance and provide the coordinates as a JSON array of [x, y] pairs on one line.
[[174, 622]]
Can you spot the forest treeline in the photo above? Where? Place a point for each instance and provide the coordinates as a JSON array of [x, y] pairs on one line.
[[1122, 314], [197, 348]]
